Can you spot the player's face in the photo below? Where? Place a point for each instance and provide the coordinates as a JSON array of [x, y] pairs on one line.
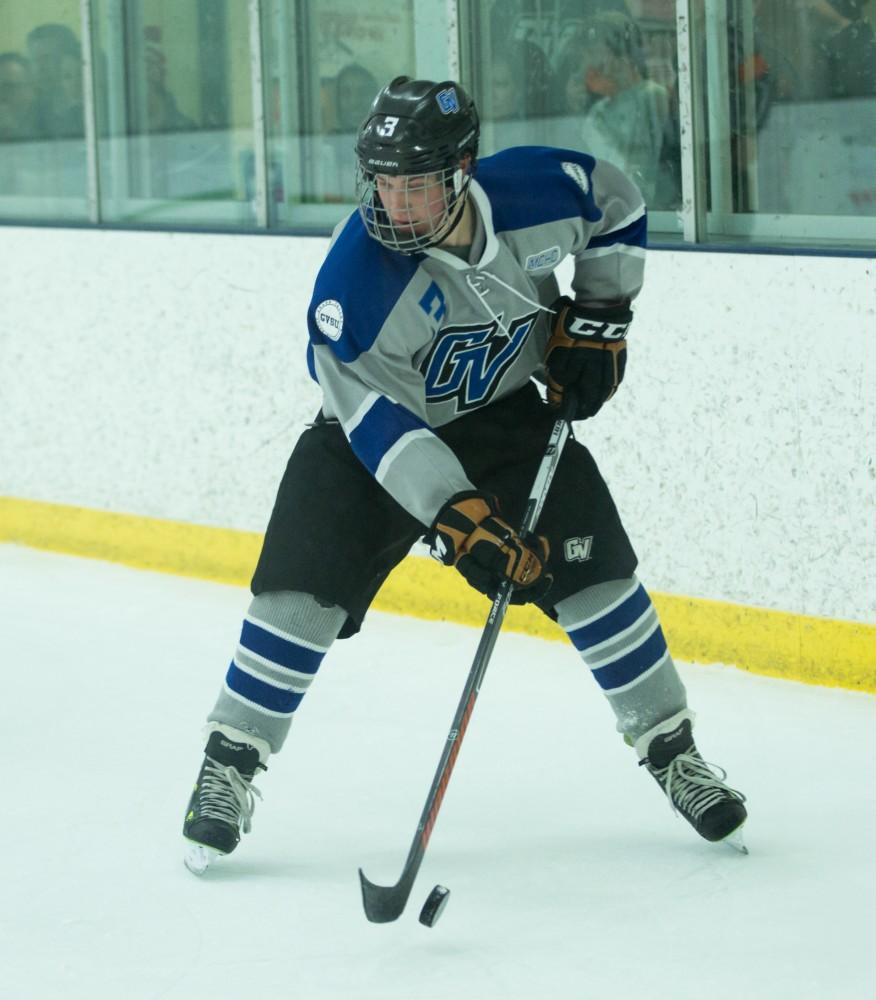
[[416, 205], [412, 212]]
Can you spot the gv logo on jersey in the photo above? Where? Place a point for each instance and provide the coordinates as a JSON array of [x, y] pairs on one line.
[[466, 363]]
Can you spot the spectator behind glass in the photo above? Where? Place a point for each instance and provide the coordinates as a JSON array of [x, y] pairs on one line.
[[17, 98], [850, 51], [611, 109], [162, 112], [56, 59], [516, 96], [69, 120], [354, 90], [346, 100], [504, 96], [574, 15]]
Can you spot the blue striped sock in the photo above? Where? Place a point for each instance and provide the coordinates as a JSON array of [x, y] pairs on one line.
[[272, 670], [621, 643], [283, 641], [614, 627]]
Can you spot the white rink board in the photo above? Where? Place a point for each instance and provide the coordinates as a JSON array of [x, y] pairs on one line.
[[164, 374], [569, 875]]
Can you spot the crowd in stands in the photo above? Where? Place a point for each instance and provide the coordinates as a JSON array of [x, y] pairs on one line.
[[598, 76], [606, 81]]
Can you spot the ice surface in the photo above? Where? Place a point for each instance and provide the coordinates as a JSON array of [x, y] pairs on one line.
[[570, 877]]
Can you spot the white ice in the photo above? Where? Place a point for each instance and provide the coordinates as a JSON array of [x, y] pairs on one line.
[[569, 875]]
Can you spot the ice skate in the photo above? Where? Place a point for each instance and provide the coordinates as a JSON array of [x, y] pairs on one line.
[[695, 788], [736, 840], [223, 798]]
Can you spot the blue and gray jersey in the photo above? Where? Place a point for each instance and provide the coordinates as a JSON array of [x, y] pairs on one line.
[[404, 344]]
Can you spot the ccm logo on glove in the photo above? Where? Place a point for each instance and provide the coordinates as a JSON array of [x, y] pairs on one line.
[[587, 353], [580, 326]]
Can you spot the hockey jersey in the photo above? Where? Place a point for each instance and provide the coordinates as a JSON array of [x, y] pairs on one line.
[[403, 344]]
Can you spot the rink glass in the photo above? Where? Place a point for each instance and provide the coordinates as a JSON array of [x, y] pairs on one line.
[[241, 114]]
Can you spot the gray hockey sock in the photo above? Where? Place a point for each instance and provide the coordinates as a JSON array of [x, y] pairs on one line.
[[284, 637], [614, 627]]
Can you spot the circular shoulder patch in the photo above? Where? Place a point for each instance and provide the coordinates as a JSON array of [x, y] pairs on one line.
[[330, 318]]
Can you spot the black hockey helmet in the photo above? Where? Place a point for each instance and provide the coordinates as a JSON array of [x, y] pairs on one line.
[[417, 126], [419, 131]]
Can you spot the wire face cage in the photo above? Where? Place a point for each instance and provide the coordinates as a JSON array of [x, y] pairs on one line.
[[411, 212]]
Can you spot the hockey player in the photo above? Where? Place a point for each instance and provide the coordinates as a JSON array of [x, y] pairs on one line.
[[435, 308]]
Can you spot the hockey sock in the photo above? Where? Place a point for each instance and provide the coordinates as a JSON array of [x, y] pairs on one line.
[[284, 638], [614, 627]]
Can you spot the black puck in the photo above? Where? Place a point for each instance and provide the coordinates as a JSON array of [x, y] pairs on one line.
[[434, 906]]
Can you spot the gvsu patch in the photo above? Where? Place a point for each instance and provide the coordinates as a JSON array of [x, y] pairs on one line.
[[539, 261], [329, 318], [447, 101]]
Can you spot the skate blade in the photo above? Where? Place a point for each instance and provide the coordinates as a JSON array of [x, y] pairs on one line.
[[736, 841], [198, 858]]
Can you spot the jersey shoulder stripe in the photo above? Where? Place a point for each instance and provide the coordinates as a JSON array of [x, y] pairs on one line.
[[534, 185], [633, 233], [380, 429], [357, 287]]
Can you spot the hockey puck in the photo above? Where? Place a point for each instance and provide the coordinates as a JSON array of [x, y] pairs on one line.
[[434, 906]]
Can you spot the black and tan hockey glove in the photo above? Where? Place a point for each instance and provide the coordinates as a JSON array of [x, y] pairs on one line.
[[469, 534], [587, 352]]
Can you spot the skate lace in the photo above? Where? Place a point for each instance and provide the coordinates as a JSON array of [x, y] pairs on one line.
[[226, 796], [694, 785]]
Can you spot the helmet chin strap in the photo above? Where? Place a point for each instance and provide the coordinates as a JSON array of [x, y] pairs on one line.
[[457, 206]]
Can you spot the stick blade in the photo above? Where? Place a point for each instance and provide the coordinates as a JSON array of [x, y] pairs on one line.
[[384, 903]]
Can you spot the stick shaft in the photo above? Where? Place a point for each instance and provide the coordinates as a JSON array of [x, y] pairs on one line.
[[384, 903], [537, 497]]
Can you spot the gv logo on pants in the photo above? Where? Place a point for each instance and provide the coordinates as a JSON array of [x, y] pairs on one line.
[[578, 549]]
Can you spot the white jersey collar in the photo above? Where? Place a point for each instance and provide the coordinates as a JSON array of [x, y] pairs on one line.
[[491, 245]]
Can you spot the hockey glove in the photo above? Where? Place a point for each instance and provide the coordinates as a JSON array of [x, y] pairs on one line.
[[469, 534], [587, 352]]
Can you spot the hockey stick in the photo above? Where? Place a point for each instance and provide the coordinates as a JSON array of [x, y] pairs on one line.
[[385, 903]]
